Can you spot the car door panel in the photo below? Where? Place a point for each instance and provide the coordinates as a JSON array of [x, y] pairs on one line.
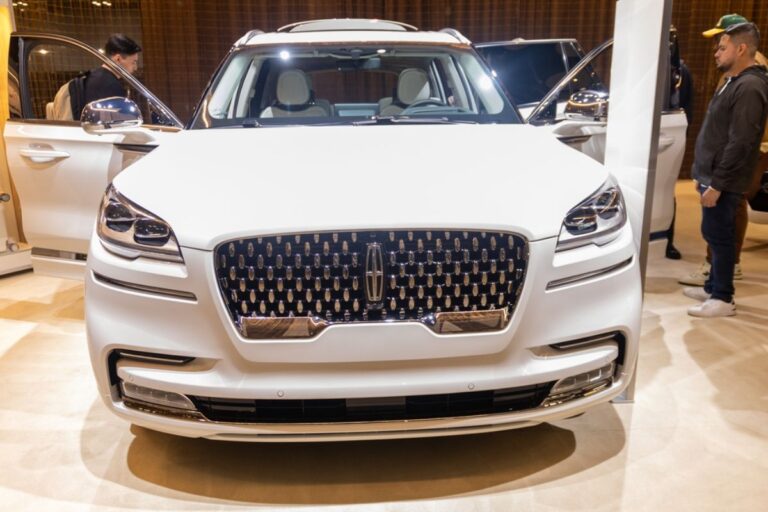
[[669, 159], [59, 195], [60, 171]]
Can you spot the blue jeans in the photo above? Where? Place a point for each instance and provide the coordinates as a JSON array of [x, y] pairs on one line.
[[718, 227]]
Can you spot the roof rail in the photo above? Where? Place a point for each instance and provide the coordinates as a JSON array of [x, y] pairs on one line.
[[247, 37], [347, 24], [458, 35]]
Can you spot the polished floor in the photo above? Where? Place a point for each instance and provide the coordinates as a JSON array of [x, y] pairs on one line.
[[696, 437]]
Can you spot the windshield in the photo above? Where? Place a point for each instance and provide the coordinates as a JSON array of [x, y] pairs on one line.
[[320, 85]]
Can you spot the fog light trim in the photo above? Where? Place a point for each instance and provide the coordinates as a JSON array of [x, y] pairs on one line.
[[156, 397], [581, 385]]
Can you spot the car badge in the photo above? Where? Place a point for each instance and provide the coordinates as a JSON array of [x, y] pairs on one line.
[[374, 276]]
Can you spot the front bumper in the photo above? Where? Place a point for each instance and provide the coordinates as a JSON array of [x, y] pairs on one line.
[[128, 308]]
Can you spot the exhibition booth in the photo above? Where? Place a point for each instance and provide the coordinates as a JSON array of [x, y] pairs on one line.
[[347, 262]]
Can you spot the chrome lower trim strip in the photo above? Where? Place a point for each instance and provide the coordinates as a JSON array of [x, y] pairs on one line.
[[174, 294], [454, 322], [558, 283], [153, 358], [594, 340]]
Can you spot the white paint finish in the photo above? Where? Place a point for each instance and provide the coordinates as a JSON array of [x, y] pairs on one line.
[[213, 185], [133, 319], [60, 197], [358, 360], [59, 267]]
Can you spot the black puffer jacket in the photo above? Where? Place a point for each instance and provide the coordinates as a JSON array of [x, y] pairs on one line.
[[728, 144]]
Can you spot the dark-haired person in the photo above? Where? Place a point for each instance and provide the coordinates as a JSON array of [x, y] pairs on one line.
[[699, 276], [102, 82], [726, 153]]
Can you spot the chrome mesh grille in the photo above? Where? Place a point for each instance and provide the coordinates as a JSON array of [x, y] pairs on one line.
[[371, 275]]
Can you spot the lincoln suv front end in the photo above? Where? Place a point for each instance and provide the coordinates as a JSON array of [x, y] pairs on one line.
[[357, 238]]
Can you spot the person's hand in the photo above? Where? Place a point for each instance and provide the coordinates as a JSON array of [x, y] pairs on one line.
[[709, 197]]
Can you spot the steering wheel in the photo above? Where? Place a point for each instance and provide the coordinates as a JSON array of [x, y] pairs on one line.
[[424, 103]]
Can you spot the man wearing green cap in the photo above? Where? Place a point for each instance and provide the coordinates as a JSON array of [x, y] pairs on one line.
[[725, 157], [700, 275]]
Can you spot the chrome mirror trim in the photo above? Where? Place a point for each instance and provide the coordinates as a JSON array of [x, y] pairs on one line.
[[592, 105], [110, 113]]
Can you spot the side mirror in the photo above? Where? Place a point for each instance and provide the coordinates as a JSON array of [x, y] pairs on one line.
[[115, 113], [588, 104]]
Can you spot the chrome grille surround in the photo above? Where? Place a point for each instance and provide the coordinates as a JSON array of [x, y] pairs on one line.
[[294, 285]]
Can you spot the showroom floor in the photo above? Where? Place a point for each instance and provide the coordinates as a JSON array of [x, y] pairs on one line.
[[695, 439]]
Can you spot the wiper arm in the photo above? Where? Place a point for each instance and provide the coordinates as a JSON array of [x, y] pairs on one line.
[[409, 120]]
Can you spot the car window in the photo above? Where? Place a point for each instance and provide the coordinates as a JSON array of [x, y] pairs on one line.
[[594, 77], [307, 84], [527, 71], [50, 67]]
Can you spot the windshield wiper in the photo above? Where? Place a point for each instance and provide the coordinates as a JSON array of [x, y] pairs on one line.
[[410, 120]]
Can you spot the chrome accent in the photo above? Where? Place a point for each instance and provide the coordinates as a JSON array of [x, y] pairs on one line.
[[153, 358], [411, 284], [374, 275], [349, 24], [173, 294], [558, 283], [110, 113], [592, 105]]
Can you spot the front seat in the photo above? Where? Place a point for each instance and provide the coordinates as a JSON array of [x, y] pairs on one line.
[[294, 97], [412, 86]]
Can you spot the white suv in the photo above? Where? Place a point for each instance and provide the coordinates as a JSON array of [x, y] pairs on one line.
[[356, 237]]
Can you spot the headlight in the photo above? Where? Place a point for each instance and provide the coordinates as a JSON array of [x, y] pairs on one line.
[[128, 230], [596, 220]]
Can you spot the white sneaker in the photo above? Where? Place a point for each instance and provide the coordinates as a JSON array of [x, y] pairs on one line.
[[737, 272], [712, 308], [698, 277], [696, 293]]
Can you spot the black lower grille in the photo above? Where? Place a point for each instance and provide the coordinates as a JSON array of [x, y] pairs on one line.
[[372, 409], [371, 275]]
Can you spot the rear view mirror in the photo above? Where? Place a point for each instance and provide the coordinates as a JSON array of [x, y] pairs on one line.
[[101, 116], [588, 104]]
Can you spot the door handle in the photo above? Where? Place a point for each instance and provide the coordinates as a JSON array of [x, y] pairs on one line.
[[41, 156], [575, 139], [665, 143]]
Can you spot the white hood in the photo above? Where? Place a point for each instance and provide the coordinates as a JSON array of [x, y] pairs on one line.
[[213, 185]]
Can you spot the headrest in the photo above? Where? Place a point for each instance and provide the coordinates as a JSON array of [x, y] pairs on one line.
[[293, 87], [412, 85]]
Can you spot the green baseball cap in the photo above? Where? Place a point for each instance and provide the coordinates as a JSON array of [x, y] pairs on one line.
[[723, 23]]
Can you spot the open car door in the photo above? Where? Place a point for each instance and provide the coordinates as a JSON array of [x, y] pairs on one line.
[[585, 130], [60, 171]]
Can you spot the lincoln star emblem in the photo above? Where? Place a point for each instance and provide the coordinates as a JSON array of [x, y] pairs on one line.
[[374, 276]]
